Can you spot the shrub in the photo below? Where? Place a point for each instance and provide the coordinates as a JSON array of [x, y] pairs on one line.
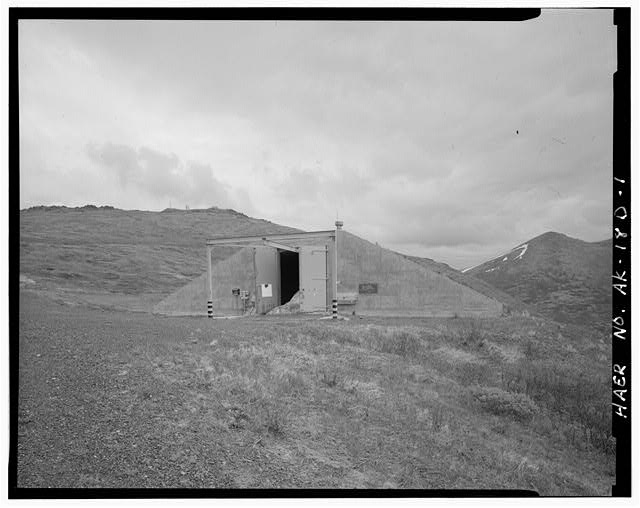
[[397, 341], [437, 418], [329, 379], [269, 416], [472, 335], [580, 398], [531, 350], [289, 383], [274, 421], [471, 373], [327, 334], [496, 401]]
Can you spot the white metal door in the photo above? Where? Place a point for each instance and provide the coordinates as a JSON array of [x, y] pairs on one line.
[[313, 278], [267, 285]]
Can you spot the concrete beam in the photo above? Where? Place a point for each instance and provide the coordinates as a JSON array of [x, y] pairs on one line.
[[245, 240], [270, 243]]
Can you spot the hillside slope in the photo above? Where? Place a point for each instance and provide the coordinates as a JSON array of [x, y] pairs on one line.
[[125, 251], [563, 278], [479, 285]]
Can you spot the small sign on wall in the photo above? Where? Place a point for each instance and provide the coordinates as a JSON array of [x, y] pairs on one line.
[[368, 288], [266, 290]]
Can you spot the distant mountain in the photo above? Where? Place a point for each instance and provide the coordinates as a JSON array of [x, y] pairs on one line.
[[563, 278], [126, 251]]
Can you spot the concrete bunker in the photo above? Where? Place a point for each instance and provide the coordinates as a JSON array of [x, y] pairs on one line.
[[323, 271]]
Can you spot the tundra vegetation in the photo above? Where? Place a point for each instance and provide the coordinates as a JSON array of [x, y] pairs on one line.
[[109, 398]]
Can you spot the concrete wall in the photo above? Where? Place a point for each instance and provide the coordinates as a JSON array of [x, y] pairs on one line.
[[404, 288], [236, 271]]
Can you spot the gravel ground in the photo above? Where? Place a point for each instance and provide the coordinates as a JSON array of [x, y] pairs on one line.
[[90, 415]]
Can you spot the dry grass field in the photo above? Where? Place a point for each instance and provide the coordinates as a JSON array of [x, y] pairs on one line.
[[109, 398]]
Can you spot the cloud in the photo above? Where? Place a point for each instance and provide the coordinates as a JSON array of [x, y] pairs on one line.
[[163, 176], [442, 139]]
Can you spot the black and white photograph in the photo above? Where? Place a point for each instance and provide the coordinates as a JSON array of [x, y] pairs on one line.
[[318, 251]]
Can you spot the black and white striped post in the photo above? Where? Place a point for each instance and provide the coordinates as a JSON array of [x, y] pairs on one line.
[[210, 301], [334, 302]]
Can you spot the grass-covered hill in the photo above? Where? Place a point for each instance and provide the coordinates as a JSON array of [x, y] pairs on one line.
[[126, 251], [563, 278]]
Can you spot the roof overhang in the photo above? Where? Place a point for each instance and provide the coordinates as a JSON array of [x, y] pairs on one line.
[[271, 240]]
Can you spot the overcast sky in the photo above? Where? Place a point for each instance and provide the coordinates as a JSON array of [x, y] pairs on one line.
[[456, 141]]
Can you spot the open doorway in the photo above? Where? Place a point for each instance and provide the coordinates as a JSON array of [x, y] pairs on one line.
[[289, 275]]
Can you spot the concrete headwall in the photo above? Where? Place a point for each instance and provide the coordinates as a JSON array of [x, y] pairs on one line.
[[236, 271], [403, 287]]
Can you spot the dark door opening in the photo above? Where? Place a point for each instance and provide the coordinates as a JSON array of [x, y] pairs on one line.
[[289, 275]]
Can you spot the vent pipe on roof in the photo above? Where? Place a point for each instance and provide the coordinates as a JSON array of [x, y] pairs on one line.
[[339, 224]]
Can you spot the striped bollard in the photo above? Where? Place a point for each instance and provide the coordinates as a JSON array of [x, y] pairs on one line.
[[334, 309], [210, 308]]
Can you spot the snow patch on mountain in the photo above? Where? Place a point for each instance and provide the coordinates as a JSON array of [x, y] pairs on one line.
[[524, 249]]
